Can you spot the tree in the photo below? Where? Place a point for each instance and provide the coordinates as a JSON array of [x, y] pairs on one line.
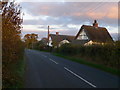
[[30, 40], [11, 28], [11, 40]]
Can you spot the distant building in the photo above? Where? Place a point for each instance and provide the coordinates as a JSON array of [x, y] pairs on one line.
[[89, 35], [43, 41], [58, 40]]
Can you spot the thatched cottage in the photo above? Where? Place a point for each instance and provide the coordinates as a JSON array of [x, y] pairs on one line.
[[87, 35]]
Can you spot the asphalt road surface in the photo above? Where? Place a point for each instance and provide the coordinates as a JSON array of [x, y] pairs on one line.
[[44, 70]]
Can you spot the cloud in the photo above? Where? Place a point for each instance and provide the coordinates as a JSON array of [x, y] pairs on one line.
[[113, 12], [95, 15], [72, 11], [69, 16]]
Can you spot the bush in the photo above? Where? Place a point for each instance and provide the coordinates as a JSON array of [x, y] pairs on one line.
[[107, 54]]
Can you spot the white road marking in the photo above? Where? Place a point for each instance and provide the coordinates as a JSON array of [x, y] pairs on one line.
[[80, 77], [53, 61]]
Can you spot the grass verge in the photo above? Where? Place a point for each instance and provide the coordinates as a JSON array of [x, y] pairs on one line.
[[98, 66], [18, 70]]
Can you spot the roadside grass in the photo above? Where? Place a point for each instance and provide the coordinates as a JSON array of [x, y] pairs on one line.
[[18, 71], [82, 61]]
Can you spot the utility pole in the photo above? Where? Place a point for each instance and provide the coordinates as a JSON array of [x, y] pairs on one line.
[[48, 35], [32, 45]]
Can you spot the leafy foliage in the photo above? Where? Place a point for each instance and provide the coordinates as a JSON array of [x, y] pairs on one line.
[[30, 40], [12, 46], [107, 55]]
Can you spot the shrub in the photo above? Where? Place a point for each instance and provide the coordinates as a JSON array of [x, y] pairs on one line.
[[107, 54]]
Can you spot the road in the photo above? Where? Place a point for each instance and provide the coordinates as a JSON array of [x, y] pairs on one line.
[[44, 70]]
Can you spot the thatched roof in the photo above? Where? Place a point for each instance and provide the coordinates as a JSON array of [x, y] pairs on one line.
[[58, 38], [97, 34]]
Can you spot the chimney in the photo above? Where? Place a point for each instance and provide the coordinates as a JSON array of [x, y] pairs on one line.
[[95, 24], [57, 33]]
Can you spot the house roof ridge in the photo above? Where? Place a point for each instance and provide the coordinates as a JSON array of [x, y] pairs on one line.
[[92, 26], [63, 35]]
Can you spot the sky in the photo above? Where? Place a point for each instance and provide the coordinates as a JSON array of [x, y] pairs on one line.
[[68, 17]]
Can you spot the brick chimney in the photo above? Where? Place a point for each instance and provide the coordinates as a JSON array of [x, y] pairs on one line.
[[57, 33], [95, 24]]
